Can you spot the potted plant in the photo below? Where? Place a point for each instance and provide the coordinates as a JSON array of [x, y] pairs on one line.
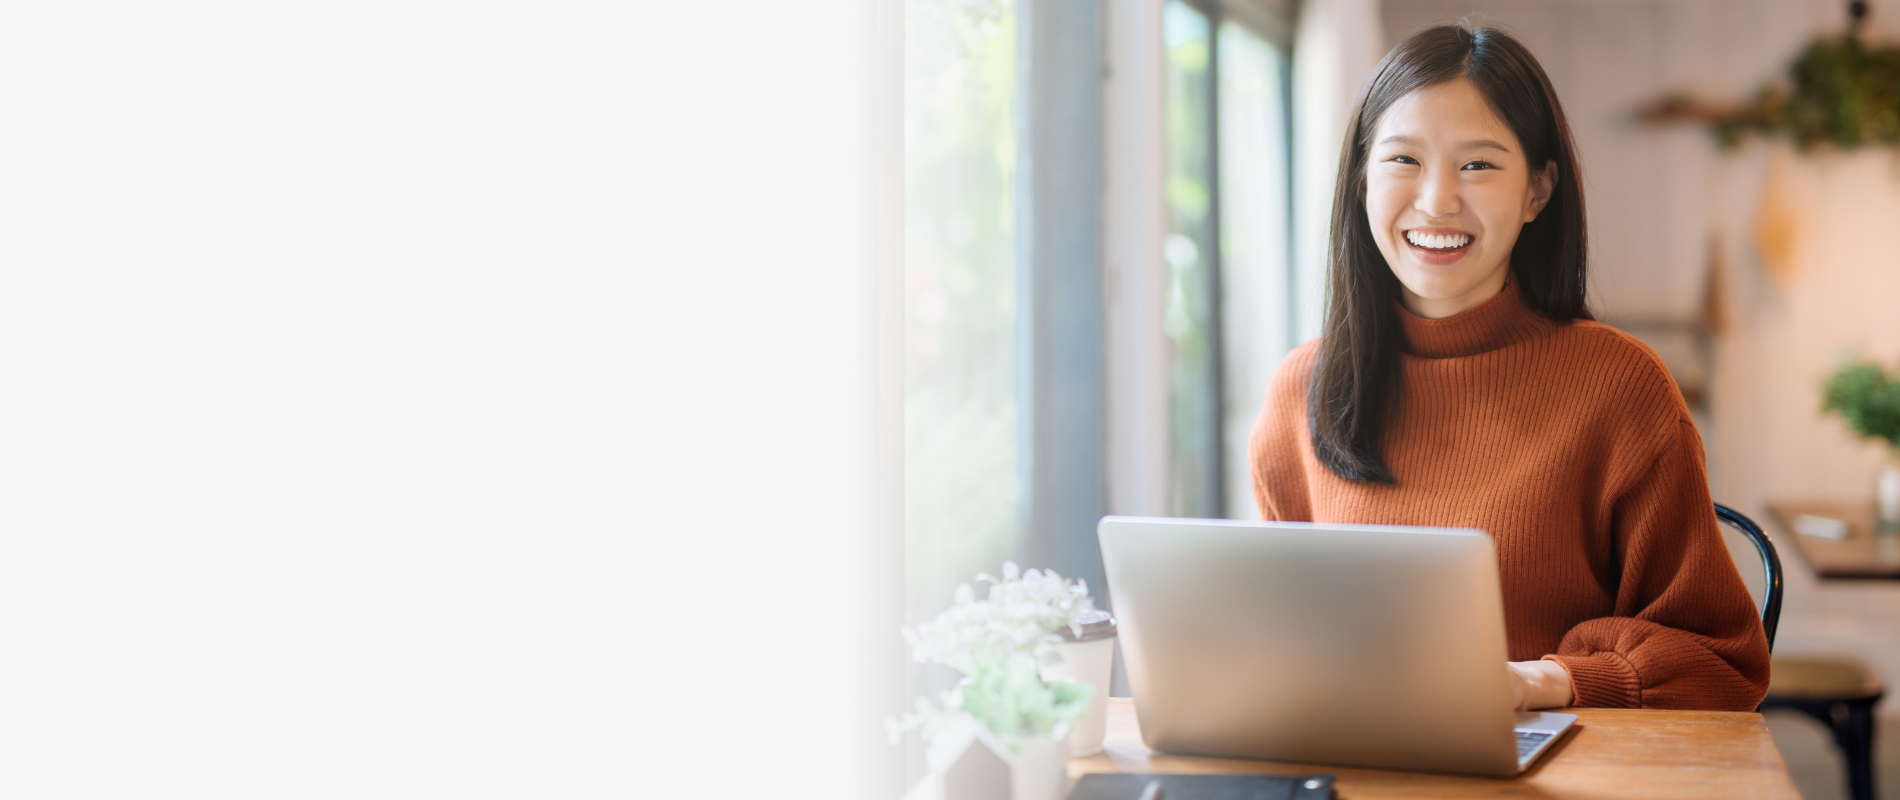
[[999, 644], [1868, 398]]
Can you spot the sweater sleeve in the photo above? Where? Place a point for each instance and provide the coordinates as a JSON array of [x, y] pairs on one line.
[[1685, 633]]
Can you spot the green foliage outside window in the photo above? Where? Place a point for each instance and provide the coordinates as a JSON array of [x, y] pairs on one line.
[[1191, 252], [962, 491]]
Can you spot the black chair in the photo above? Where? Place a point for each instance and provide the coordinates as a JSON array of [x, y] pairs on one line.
[[1770, 567], [1840, 692]]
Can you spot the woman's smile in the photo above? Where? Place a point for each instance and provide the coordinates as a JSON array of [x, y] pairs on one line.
[[1438, 246]]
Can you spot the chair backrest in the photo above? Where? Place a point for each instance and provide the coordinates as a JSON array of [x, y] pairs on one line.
[[1770, 567]]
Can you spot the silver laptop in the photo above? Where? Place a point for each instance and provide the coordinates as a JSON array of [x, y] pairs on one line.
[[1359, 645]]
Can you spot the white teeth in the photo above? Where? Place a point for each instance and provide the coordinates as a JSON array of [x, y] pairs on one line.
[[1438, 241]]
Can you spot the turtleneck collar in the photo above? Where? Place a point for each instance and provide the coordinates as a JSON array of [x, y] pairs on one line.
[[1498, 322]]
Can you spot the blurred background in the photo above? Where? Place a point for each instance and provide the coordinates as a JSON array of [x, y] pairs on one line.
[[1115, 223]]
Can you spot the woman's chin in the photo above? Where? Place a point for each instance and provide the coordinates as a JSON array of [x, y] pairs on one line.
[[1434, 289], [1437, 297]]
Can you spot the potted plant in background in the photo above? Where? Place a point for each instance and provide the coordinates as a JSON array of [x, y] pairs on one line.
[[1868, 398], [1002, 645]]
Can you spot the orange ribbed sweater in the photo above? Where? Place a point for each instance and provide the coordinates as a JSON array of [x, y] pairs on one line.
[[1569, 444]]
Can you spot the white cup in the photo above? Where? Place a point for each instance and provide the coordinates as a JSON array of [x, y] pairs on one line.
[[1088, 658]]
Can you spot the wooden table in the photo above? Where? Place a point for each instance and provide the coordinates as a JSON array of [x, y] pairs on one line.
[[1609, 753], [1863, 554]]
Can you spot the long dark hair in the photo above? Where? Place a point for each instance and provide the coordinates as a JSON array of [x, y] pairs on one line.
[[1356, 378]]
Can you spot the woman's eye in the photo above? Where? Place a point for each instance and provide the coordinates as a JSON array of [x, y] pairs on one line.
[[1402, 160], [1480, 165]]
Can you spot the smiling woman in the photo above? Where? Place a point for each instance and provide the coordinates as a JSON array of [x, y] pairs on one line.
[[1448, 190], [1460, 382], [1469, 97]]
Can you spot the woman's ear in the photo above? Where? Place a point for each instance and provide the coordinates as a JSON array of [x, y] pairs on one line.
[[1543, 182]]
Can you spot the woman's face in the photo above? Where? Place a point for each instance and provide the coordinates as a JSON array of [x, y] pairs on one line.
[[1447, 190]]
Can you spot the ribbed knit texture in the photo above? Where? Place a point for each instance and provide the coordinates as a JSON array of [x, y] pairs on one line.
[[1569, 444]]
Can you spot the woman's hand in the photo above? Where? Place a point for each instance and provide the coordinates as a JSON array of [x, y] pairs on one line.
[[1539, 684]]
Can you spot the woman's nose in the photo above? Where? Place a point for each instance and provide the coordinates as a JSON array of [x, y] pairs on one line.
[[1438, 194]]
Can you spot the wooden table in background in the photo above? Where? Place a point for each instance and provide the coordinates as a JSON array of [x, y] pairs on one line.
[[1609, 753], [1863, 554]]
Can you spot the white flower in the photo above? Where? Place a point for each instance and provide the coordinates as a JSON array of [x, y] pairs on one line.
[[998, 643], [1021, 613]]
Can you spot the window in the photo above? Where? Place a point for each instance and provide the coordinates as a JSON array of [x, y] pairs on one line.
[[1192, 321], [1229, 307], [970, 453], [1007, 144], [1257, 320], [963, 490]]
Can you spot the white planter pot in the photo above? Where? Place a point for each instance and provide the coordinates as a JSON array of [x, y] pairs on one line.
[[1039, 770], [966, 762]]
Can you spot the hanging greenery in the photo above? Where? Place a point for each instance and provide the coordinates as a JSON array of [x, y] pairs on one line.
[[1839, 92], [1843, 93]]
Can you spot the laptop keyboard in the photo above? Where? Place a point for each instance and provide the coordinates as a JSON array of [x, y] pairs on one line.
[[1529, 740]]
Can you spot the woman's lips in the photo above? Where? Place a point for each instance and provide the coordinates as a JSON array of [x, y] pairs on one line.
[[1438, 249]]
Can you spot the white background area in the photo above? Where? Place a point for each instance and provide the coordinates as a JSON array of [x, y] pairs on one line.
[[412, 399]]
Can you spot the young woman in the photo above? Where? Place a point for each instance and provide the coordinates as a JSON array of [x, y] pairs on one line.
[[1461, 382]]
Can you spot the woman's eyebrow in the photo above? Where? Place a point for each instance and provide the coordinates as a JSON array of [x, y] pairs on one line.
[[1475, 144]]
